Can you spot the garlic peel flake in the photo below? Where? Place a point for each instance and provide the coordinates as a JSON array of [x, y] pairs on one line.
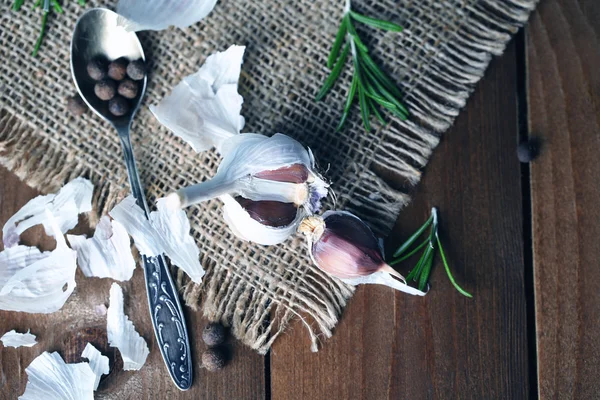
[[166, 232], [65, 206], [156, 15], [15, 339], [107, 254], [122, 334], [49, 377], [98, 363], [205, 108], [32, 281]]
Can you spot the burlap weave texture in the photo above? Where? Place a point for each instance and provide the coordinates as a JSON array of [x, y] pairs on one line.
[[437, 60]]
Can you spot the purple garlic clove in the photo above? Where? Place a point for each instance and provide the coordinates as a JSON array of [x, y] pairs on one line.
[[342, 245]]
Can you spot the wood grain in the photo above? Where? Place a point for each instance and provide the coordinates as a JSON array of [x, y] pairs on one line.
[[391, 345], [563, 60], [68, 330]]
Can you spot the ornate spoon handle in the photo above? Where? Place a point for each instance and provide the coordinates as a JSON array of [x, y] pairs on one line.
[[167, 316]]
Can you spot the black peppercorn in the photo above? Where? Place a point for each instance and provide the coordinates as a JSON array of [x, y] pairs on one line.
[[136, 70], [117, 69], [118, 106], [128, 89], [213, 359], [105, 89], [213, 334], [97, 68], [528, 150], [76, 105]]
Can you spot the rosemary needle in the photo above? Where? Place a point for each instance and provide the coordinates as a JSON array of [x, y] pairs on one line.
[[421, 271], [47, 6], [374, 87]]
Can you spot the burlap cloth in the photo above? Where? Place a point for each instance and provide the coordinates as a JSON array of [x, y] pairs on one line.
[[437, 60]]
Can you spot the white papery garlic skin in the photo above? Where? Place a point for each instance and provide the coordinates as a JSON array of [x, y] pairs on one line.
[[15, 339], [49, 377], [65, 206], [139, 15], [107, 254], [122, 334], [32, 281]]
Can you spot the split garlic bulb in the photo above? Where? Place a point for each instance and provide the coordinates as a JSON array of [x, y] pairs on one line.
[[342, 245], [268, 185]]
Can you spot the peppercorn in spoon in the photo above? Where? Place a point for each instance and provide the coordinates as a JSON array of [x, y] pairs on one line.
[[98, 38]]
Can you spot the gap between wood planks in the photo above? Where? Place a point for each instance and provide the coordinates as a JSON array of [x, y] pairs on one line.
[[529, 283]]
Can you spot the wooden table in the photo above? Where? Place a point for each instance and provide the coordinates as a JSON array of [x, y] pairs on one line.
[[524, 239]]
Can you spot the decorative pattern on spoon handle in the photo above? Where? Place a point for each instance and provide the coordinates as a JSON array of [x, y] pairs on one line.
[[168, 321]]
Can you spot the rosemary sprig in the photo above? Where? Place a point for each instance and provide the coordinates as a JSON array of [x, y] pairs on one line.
[[420, 273], [47, 6], [374, 87]]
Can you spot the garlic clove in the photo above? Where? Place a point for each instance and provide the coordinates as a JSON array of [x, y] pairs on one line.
[[342, 245], [270, 213], [244, 226], [295, 173]]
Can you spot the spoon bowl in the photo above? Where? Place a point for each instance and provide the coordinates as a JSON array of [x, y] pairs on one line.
[[97, 35]]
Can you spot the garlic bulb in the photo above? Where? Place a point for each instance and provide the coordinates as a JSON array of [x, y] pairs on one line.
[[342, 245], [268, 185]]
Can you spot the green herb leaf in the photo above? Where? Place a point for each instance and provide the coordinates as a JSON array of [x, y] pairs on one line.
[[337, 44], [364, 108], [335, 73], [17, 5], [354, 35], [38, 43], [376, 23], [447, 268], [424, 276], [81, 2], [407, 256], [413, 237], [380, 75], [57, 7], [375, 111], [349, 101]]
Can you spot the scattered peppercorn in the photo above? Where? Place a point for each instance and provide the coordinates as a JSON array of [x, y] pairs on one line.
[[128, 89], [213, 334], [213, 359], [118, 106], [136, 70], [97, 68], [105, 89], [76, 105], [117, 69], [528, 150]]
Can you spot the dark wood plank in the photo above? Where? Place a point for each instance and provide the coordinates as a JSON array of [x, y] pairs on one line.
[[391, 345], [68, 330], [563, 57]]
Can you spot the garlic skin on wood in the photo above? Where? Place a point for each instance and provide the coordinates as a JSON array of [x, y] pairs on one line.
[[267, 184], [342, 245]]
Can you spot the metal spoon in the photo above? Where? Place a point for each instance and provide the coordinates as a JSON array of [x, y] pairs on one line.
[[97, 34]]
